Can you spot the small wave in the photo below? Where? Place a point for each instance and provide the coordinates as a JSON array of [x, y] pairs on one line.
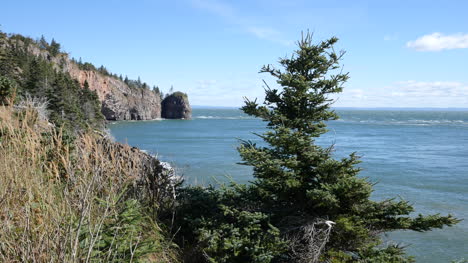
[[223, 117], [408, 122]]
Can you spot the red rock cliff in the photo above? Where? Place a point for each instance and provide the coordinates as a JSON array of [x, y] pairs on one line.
[[119, 101]]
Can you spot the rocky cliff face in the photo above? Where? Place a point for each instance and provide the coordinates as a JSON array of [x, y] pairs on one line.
[[119, 100], [176, 106]]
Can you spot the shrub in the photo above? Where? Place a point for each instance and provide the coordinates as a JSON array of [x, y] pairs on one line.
[[7, 91], [216, 227]]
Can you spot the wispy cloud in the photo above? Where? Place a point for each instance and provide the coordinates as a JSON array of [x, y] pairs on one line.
[[355, 93], [438, 41], [224, 93], [390, 37], [217, 8], [268, 34], [231, 15], [434, 89], [408, 93]]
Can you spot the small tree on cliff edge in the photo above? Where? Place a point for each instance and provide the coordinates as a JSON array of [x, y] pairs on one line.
[[298, 183]]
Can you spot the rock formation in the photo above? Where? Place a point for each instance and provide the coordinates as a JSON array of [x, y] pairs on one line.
[[119, 101], [176, 106]]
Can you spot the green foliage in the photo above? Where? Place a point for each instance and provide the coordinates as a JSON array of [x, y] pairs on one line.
[[73, 106], [7, 90], [298, 181], [69, 104], [86, 66], [214, 225], [130, 236], [54, 48], [43, 44], [8, 62], [178, 94]]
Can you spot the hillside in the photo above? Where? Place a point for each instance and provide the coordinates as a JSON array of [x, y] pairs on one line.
[[35, 64], [81, 200], [68, 193]]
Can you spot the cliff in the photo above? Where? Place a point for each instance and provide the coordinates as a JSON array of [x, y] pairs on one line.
[[120, 100], [176, 106]]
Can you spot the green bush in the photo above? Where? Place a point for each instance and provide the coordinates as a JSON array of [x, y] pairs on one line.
[[7, 90], [124, 237], [215, 226]]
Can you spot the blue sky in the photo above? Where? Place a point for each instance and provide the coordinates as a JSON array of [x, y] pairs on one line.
[[399, 53]]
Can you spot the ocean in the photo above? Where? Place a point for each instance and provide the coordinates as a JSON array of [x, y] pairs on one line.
[[417, 155]]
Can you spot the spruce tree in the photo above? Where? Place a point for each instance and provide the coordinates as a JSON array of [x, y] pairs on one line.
[[43, 43], [299, 183], [8, 62], [7, 91], [54, 48]]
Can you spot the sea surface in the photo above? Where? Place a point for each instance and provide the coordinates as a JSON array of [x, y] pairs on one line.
[[421, 156]]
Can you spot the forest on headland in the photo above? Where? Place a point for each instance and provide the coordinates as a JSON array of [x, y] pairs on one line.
[[68, 193]]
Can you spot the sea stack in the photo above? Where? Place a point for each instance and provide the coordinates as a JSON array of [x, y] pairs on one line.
[[176, 106]]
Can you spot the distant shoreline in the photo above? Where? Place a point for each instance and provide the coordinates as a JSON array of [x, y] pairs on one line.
[[351, 108]]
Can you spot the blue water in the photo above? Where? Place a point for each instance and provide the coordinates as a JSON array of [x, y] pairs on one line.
[[421, 156]]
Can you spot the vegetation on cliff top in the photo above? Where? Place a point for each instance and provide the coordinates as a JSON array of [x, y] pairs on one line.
[[37, 68], [69, 105]]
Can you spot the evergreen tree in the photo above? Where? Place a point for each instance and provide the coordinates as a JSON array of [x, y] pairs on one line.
[[35, 78], [298, 182], [8, 62], [54, 48], [7, 91], [43, 43], [138, 82]]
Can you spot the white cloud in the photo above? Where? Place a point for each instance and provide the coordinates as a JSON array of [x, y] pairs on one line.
[[438, 41], [411, 93], [229, 13], [434, 89]]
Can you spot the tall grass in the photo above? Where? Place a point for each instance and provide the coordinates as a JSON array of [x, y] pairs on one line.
[[76, 200]]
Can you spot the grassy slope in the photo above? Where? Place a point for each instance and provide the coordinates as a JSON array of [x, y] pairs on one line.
[[72, 201]]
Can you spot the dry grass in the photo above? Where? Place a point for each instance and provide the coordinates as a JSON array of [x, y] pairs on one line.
[[57, 198]]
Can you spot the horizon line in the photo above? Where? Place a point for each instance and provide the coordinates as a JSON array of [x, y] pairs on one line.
[[345, 107]]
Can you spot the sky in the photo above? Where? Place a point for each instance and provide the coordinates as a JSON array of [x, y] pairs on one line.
[[398, 53]]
